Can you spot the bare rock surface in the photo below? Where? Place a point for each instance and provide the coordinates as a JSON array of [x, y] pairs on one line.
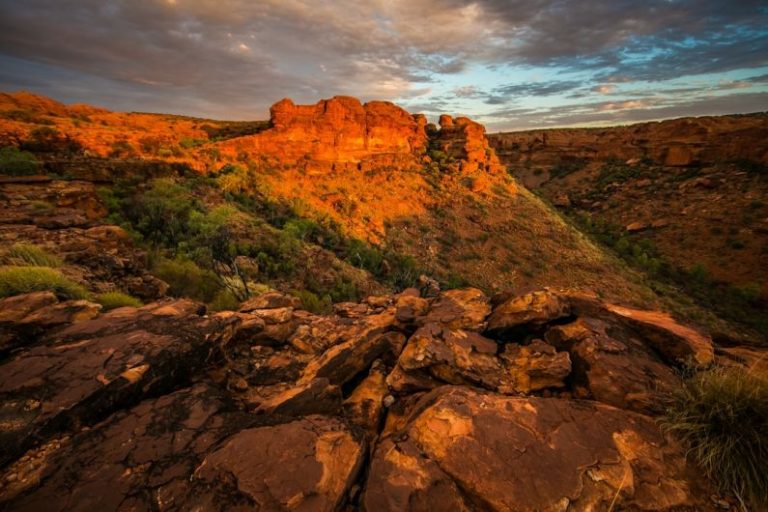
[[454, 451], [96, 367], [446, 402]]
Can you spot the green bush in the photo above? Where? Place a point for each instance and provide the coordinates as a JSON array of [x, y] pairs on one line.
[[224, 300], [112, 300], [30, 255], [15, 162], [186, 279], [311, 302], [20, 280], [722, 417]]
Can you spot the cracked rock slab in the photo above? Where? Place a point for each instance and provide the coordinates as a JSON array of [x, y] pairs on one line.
[[306, 465], [526, 455], [139, 459], [99, 366]]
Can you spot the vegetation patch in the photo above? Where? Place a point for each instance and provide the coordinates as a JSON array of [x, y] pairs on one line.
[[16, 162], [29, 255], [742, 304], [113, 300], [20, 280], [722, 417]]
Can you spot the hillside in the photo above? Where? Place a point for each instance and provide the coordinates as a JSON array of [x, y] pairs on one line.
[[370, 172], [685, 200]]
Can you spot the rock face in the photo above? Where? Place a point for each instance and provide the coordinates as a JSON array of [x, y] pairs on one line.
[[339, 134], [397, 403], [455, 452], [342, 134], [678, 142]]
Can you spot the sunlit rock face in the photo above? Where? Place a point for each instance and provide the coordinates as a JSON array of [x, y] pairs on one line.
[[343, 134]]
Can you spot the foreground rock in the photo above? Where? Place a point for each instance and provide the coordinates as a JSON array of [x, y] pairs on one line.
[[440, 401], [94, 368], [305, 465], [454, 453]]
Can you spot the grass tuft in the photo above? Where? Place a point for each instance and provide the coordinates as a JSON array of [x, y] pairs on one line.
[[30, 255], [20, 280], [112, 300], [721, 415]]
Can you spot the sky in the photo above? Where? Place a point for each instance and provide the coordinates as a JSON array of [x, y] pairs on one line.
[[510, 64]]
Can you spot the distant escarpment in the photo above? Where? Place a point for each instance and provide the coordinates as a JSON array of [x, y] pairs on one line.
[[675, 143]]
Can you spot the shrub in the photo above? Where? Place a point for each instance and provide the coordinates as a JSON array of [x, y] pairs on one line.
[[47, 139], [162, 213], [112, 300], [186, 279], [20, 280], [224, 300], [30, 255], [122, 149], [314, 304], [15, 162], [722, 417], [567, 166]]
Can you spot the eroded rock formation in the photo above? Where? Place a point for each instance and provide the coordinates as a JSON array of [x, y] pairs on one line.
[[343, 134]]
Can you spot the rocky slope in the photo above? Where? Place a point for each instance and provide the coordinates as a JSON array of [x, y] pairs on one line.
[[691, 194], [449, 401]]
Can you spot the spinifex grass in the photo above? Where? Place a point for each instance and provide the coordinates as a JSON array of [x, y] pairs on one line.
[[721, 415]]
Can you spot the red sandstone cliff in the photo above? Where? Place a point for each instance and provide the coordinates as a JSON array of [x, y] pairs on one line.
[[344, 134]]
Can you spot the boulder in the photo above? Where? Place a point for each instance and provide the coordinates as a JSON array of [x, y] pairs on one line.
[[403, 479], [542, 459], [364, 344], [533, 367], [617, 369], [678, 343], [316, 396], [460, 309], [531, 310], [453, 356], [306, 465]]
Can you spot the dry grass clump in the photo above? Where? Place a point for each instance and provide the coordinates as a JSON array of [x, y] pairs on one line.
[[20, 280], [721, 415]]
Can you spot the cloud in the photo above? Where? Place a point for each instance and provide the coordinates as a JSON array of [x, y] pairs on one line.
[[612, 113], [648, 40], [233, 58]]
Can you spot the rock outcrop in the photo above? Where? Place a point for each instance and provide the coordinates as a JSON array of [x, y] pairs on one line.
[[396, 403], [68, 218], [676, 143], [342, 134], [465, 140]]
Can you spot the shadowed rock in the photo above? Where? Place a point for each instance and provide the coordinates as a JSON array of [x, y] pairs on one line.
[[99, 366]]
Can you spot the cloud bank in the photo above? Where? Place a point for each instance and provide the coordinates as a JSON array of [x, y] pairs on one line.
[[512, 63]]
